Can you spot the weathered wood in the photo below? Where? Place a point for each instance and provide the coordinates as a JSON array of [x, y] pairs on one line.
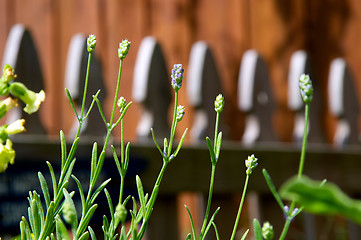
[[151, 89], [255, 99], [203, 87], [21, 54], [343, 104]]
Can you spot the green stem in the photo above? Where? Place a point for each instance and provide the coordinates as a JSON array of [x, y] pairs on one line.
[[285, 228], [300, 171], [240, 208], [152, 201], [216, 132], [174, 124], [210, 194], [122, 159], [110, 127], [81, 120], [304, 143]]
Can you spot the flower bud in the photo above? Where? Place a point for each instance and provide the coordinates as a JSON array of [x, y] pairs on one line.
[[91, 42], [120, 213], [30, 98], [16, 127], [69, 212], [180, 113], [306, 88], [8, 74], [123, 49], [267, 231], [7, 155], [219, 103], [6, 105], [177, 76], [251, 163], [122, 103]]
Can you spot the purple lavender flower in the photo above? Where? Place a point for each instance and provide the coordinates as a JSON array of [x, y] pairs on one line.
[[180, 113], [177, 76]]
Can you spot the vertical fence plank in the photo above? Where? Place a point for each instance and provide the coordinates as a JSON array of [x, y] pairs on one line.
[[21, 54]]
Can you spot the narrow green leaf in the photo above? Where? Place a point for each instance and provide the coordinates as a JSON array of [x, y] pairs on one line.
[[211, 151], [41, 211], [245, 235], [98, 190], [92, 234], [72, 151], [134, 206], [192, 223], [25, 230], [218, 145], [49, 221], [69, 199], [61, 230], [126, 159], [180, 143], [126, 200], [44, 188], [140, 191], [110, 202], [81, 193], [210, 222], [156, 143], [53, 179], [273, 190], [189, 236], [70, 99], [70, 170], [101, 110], [85, 236], [105, 224], [116, 160], [215, 230], [327, 199], [93, 162], [85, 221], [60, 195], [125, 109], [257, 230], [92, 104], [63, 149], [98, 168], [31, 218]]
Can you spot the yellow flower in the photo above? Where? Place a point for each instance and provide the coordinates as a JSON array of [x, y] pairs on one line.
[[16, 127], [7, 155], [30, 98]]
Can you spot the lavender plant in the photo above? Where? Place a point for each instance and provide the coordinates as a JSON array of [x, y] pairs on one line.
[[13, 91], [50, 217], [50, 222]]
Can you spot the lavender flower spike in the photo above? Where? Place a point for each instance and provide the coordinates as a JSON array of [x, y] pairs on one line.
[[123, 49], [180, 113], [251, 163], [91, 42], [177, 76], [306, 88]]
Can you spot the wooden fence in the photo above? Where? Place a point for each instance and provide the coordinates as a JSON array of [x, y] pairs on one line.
[[251, 51]]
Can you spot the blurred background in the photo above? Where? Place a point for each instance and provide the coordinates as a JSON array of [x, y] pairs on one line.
[[326, 29], [276, 29]]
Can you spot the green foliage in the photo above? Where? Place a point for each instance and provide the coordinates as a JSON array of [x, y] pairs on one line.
[[321, 198]]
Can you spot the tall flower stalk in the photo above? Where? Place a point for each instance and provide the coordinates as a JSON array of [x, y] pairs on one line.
[[306, 90]]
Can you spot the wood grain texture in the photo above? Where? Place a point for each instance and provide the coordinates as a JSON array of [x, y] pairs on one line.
[[326, 29]]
